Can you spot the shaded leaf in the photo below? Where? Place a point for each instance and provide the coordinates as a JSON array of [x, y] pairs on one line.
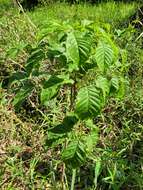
[[66, 126], [53, 81], [33, 60], [114, 84], [57, 80], [74, 154], [22, 94], [84, 45], [16, 77], [52, 85], [123, 84], [54, 139]]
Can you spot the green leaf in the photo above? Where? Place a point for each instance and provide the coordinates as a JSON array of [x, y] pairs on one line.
[[57, 80], [52, 85], [48, 93], [98, 169], [74, 154], [53, 81], [84, 45], [88, 102], [104, 56], [14, 51], [72, 51], [22, 94], [33, 60], [104, 85], [91, 139], [123, 85], [17, 77], [66, 126], [114, 84], [55, 139]]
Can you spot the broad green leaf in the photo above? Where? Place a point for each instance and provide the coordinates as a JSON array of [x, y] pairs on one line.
[[21, 95], [57, 80], [55, 139], [66, 126], [104, 85], [53, 81], [33, 60], [91, 139], [17, 77], [52, 85], [123, 84], [88, 102], [72, 67], [86, 22], [14, 51], [89, 123], [48, 93], [84, 45], [114, 84], [104, 56], [74, 154], [72, 51]]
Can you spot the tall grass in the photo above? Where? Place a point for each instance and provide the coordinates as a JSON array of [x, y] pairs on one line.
[[110, 12]]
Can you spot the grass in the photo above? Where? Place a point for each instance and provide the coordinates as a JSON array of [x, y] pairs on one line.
[[104, 12], [18, 30], [25, 162]]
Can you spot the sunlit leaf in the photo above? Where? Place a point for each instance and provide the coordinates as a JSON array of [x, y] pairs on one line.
[[72, 51], [88, 102], [49, 93], [104, 56], [103, 84]]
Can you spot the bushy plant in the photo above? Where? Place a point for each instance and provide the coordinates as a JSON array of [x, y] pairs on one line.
[[83, 61]]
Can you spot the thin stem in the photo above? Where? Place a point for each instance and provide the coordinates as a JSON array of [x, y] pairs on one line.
[[63, 177], [73, 179], [73, 94]]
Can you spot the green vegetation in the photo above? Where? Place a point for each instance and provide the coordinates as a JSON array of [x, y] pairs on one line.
[[71, 97]]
